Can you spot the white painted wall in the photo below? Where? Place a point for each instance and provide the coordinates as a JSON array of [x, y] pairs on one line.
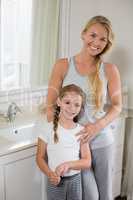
[[121, 15]]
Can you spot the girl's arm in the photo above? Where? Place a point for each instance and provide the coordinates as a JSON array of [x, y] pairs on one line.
[[114, 91], [83, 163], [41, 157], [54, 85]]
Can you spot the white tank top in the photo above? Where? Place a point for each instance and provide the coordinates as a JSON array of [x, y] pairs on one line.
[[105, 137]]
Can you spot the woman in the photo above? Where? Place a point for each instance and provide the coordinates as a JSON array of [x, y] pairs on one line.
[[98, 80]]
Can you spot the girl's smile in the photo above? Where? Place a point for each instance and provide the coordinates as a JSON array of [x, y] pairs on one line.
[[70, 105]]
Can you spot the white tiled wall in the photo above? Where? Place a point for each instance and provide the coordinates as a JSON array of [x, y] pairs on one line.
[[23, 97]]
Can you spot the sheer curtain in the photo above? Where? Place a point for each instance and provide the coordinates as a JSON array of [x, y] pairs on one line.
[[127, 183], [44, 40], [15, 43]]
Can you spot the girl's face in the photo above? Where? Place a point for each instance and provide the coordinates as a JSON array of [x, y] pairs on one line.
[[95, 39], [70, 105]]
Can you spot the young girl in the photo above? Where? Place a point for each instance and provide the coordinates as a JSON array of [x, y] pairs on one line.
[[66, 155]]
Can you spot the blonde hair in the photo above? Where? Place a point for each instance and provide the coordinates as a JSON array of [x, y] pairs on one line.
[[63, 92], [97, 84]]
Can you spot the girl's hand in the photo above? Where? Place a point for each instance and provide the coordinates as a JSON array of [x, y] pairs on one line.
[[54, 178], [62, 169], [90, 130]]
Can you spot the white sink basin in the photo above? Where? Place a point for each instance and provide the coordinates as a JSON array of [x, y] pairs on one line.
[[4, 142], [19, 134]]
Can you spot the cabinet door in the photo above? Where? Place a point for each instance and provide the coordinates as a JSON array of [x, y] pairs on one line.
[[1, 183], [118, 129], [117, 184], [23, 180]]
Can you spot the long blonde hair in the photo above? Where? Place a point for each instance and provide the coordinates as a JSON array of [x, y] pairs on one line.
[[63, 92], [96, 82]]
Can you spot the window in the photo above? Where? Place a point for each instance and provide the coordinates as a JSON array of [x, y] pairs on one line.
[[29, 42], [15, 39]]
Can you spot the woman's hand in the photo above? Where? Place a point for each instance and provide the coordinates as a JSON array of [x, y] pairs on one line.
[[62, 169], [54, 178], [90, 130]]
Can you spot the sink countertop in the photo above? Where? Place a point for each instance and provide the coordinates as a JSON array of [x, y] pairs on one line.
[[7, 146]]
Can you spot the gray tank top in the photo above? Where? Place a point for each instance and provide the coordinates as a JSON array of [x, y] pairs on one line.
[[105, 137]]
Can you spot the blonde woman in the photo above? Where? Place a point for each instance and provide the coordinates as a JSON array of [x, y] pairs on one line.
[[98, 79]]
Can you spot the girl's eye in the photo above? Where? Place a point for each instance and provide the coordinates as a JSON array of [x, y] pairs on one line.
[[77, 105], [67, 102]]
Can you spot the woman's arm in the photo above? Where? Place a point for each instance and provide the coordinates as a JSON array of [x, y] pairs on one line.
[[41, 157], [83, 163], [54, 85], [114, 92]]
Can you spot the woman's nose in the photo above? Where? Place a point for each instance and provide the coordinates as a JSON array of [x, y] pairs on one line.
[[96, 42]]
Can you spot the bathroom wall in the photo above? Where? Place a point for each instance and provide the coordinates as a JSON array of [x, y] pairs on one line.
[[75, 14]]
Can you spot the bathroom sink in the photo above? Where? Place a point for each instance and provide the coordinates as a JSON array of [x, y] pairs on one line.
[[4, 142], [18, 134]]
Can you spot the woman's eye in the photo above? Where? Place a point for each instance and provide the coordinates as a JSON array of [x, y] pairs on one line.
[[93, 35], [104, 39]]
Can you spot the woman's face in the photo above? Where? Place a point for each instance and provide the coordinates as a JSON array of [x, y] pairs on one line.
[[95, 39]]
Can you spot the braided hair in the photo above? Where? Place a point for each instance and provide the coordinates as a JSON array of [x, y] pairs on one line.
[[63, 91]]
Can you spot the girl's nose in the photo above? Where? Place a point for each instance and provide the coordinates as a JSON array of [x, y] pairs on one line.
[[72, 107]]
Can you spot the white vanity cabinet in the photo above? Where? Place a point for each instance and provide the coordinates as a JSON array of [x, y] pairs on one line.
[[20, 178], [118, 128]]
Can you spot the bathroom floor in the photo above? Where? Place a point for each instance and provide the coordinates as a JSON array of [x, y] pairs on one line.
[[121, 198]]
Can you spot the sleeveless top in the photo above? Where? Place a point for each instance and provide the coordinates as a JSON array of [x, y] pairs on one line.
[[90, 114]]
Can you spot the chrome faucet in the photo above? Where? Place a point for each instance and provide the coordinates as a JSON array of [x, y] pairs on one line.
[[12, 111]]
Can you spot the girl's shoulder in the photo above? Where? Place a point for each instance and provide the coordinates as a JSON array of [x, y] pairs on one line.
[[79, 126]]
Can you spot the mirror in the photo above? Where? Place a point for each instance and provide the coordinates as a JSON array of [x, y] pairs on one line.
[[29, 36]]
